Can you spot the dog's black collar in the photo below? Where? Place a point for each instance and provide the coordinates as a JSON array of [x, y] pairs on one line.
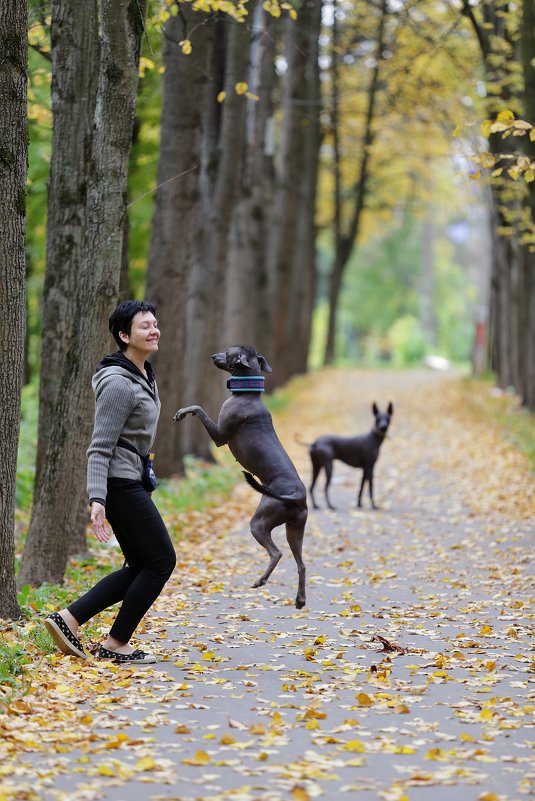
[[246, 383]]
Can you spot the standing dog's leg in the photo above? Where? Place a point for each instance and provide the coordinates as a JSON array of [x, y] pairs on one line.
[[261, 528], [316, 468], [328, 476], [359, 501], [294, 535], [370, 486]]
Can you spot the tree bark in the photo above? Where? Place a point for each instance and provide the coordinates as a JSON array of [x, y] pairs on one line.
[[176, 211], [299, 320], [246, 269], [220, 179], [527, 334], [13, 168], [346, 240], [281, 250], [75, 53], [95, 294]]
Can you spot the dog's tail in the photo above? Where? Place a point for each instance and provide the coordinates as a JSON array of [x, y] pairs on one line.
[[301, 442], [296, 497]]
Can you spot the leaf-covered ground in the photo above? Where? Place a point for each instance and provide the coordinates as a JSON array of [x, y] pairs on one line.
[[409, 674]]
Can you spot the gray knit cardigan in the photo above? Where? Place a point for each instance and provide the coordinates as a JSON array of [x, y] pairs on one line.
[[127, 407]]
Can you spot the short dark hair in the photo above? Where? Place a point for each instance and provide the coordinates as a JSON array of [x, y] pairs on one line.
[[121, 319]]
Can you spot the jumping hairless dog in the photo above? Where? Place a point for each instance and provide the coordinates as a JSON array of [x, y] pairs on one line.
[[355, 451], [245, 425]]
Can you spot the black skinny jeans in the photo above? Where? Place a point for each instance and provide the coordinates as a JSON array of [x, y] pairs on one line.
[[150, 560]]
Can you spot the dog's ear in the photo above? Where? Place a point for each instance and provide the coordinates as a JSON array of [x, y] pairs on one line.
[[390, 409], [375, 410], [243, 360], [264, 366]]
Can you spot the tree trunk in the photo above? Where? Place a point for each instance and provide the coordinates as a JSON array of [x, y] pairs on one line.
[[245, 275], [60, 487], [346, 240], [75, 53], [175, 215], [220, 181], [281, 252], [527, 332], [13, 167], [299, 321]]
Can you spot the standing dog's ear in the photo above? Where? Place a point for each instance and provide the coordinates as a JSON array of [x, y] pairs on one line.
[[264, 366], [375, 410], [390, 409]]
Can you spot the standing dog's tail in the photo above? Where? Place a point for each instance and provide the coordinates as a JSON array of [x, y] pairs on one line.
[[296, 497], [300, 441]]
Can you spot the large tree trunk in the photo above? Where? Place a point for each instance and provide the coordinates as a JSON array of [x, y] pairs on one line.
[[95, 294], [299, 321], [75, 54], [219, 187], [245, 277], [175, 216], [346, 240], [527, 333], [282, 247], [13, 165]]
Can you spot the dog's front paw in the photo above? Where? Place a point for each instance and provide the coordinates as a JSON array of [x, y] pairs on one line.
[[178, 416]]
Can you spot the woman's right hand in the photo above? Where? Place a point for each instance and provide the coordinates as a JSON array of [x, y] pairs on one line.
[[98, 521]]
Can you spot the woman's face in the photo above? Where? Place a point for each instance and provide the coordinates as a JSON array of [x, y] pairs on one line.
[[144, 333]]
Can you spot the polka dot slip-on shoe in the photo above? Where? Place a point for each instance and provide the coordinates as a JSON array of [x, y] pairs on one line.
[[63, 636], [137, 657]]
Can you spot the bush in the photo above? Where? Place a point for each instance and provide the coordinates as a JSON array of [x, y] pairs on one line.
[[407, 341]]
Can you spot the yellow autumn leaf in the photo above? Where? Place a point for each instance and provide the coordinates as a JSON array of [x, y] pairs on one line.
[[200, 758], [486, 714], [401, 709], [355, 746], [485, 128], [312, 724], [485, 630], [298, 793], [106, 770], [221, 96], [146, 763], [257, 728], [241, 88], [364, 699], [505, 116], [227, 739], [488, 797], [185, 46], [182, 729]]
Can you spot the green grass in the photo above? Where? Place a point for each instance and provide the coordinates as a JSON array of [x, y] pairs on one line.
[[204, 485], [503, 409]]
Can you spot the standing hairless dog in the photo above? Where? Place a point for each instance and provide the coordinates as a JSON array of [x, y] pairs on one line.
[[245, 425], [360, 451]]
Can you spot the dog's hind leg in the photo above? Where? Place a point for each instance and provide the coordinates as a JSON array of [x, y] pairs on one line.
[[262, 524], [294, 534]]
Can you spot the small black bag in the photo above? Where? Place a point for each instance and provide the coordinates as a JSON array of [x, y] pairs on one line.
[[148, 481]]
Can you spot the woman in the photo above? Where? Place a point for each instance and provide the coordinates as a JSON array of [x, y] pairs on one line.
[[126, 414]]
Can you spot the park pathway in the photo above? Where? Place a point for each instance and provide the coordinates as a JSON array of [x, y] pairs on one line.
[[408, 675]]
